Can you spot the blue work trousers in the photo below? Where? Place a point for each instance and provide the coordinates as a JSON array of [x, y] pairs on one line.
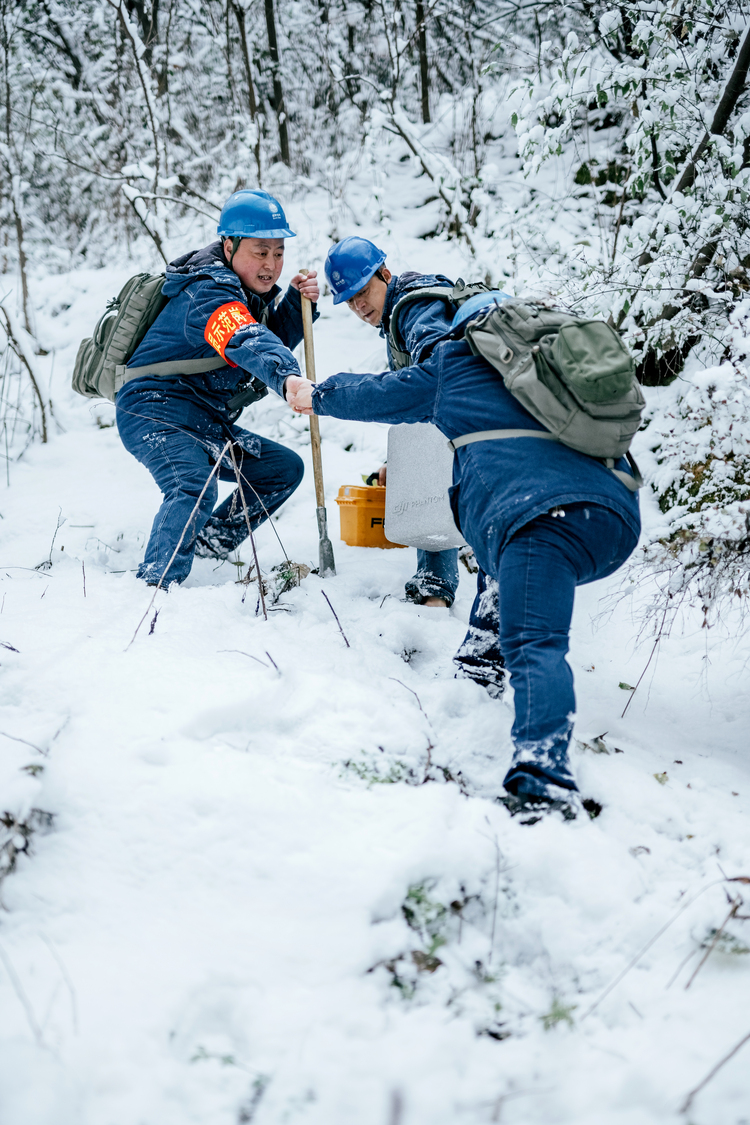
[[436, 577], [536, 576], [180, 458]]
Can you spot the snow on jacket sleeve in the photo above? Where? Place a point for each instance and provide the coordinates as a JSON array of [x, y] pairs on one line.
[[408, 395], [253, 347]]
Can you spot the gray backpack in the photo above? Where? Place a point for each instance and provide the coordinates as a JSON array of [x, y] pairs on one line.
[[575, 376], [101, 364]]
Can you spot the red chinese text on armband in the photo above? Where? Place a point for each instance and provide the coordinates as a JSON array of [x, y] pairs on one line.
[[223, 323]]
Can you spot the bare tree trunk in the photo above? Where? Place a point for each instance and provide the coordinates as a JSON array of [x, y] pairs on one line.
[[278, 93], [14, 183], [22, 263], [251, 98], [424, 74], [18, 348]]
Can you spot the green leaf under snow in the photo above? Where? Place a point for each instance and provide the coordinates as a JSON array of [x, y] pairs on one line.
[[626, 687], [662, 778]]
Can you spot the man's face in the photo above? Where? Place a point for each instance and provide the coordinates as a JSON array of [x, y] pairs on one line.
[[368, 303], [258, 262]]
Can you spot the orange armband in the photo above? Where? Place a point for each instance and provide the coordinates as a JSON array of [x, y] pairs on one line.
[[223, 323]]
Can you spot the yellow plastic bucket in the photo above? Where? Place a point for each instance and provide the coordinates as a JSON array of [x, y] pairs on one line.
[[362, 515]]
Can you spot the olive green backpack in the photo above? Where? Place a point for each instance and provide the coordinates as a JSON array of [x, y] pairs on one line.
[[573, 375], [101, 364]]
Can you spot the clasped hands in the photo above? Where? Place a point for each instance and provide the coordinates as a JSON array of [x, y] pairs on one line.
[[298, 393]]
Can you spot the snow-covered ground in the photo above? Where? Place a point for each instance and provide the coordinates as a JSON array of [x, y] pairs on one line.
[[277, 886]]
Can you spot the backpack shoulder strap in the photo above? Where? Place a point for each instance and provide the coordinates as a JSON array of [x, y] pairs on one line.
[[401, 357], [452, 295], [632, 482], [123, 373]]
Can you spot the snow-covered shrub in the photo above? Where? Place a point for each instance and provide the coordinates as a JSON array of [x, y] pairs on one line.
[[647, 103], [450, 956], [16, 832], [645, 109]]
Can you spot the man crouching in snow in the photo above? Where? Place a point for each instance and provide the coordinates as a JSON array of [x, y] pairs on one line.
[[221, 307], [542, 519]]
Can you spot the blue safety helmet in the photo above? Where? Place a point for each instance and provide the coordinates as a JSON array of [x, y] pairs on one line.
[[253, 214], [350, 265], [472, 308]]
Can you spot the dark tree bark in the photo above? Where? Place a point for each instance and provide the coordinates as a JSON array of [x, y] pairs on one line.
[[424, 74], [278, 93], [252, 100]]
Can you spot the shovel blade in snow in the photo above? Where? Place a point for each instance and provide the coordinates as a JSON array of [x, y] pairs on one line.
[[420, 472], [326, 564]]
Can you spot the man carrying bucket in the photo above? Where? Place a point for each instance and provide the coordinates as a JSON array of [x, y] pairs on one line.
[[357, 274]]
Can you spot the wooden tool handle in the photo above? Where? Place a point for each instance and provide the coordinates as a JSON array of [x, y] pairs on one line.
[[307, 329]]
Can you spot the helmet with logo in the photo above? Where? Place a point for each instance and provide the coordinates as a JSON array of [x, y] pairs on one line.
[[253, 214], [350, 265]]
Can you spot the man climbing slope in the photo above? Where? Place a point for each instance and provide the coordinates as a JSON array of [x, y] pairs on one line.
[[222, 301], [542, 518]]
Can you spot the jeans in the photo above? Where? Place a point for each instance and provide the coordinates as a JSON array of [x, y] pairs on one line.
[[537, 573], [180, 460], [436, 577], [479, 657]]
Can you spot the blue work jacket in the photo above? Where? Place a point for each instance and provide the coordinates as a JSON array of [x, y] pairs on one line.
[[198, 283], [498, 486], [426, 327]]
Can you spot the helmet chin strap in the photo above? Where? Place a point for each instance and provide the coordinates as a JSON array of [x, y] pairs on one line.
[[235, 246]]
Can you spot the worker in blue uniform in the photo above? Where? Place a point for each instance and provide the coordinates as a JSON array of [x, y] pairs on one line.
[[223, 301], [542, 519]]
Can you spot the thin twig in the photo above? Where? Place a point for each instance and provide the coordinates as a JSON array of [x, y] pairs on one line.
[[736, 903], [211, 475], [83, 569], [430, 744], [48, 561], [20, 352], [249, 530], [249, 654], [419, 702], [25, 1002], [497, 894], [634, 961], [651, 657], [273, 662], [333, 611], [680, 967], [66, 977], [26, 742], [685, 1107]]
